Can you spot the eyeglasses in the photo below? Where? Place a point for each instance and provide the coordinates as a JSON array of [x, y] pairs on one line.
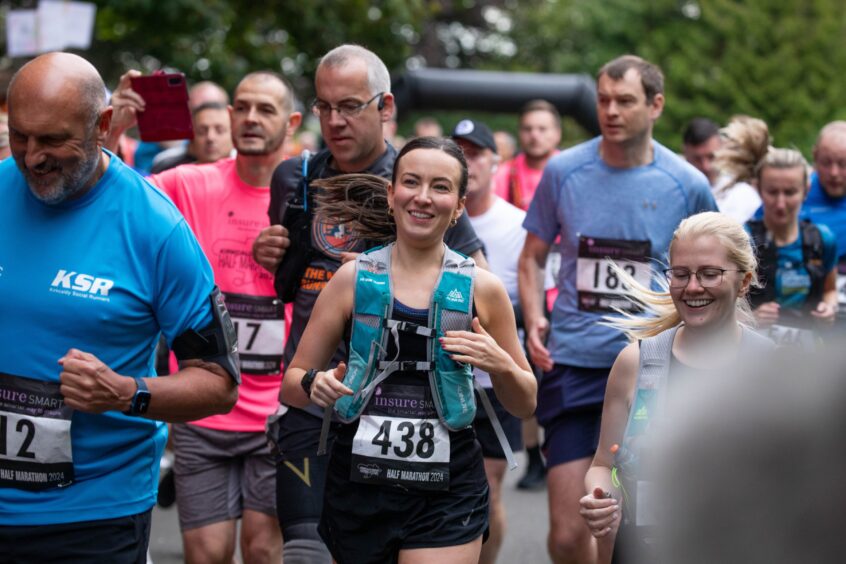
[[345, 109], [710, 277]]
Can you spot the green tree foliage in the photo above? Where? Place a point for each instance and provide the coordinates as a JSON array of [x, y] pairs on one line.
[[222, 40], [780, 60]]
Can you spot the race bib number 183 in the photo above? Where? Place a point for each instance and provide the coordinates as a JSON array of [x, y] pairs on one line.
[[600, 288]]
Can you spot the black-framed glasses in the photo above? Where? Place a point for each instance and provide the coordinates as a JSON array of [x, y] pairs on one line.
[[347, 109], [709, 277]]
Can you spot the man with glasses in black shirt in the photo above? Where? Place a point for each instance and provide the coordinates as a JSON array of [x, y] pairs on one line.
[[353, 99]]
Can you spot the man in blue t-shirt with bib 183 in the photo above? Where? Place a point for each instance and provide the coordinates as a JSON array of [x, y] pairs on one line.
[[616, 198], [95, 264]]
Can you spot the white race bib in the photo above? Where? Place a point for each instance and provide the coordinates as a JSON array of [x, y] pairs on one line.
[[792, 337], [599, 288], [35, 434], [407, 440], [260, 325]]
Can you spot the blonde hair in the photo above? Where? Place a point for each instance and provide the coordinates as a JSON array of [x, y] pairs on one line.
[[745, 142], [784, 158], [661, 313]]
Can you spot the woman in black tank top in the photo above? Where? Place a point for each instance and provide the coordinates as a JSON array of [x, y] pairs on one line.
[[400, 478]]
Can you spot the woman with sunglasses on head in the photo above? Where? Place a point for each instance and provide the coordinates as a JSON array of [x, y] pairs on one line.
[[797, 259], [697, 325], [406, 481]]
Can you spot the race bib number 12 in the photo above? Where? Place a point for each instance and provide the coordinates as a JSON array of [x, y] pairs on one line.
[[35, 439]]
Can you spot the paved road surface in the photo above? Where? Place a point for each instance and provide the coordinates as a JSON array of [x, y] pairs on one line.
[[525, 542]]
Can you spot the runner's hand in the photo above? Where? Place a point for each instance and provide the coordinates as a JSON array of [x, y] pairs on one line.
[[269, 247], [535, 337], [126, 103], [90, 386], [600, 512], [327, 386], [766, 314], [478, 348], [825, 312]]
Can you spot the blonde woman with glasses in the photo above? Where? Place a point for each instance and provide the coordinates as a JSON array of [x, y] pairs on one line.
[[696, 325]]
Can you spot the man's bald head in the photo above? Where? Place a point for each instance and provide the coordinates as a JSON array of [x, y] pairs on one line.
[[830, 158], [60, 78], [58, 122]]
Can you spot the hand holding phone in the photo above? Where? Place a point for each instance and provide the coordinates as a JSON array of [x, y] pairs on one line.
[[166, 115]]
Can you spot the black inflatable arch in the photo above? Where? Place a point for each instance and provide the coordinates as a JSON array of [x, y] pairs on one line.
[[446, 89]]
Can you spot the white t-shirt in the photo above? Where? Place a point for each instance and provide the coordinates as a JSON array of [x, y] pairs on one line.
[[739, 201], [501, 230]]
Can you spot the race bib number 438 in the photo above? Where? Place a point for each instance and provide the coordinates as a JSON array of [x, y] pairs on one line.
[[600, 288], [394, 450]]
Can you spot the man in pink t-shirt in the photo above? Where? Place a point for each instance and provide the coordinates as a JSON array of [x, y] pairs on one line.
[[539, 136], [224, 468]]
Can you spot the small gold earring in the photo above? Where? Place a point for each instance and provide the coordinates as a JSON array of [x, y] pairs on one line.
[[454, 222]]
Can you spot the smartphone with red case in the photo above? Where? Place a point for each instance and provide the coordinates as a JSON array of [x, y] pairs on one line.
[[167, 116]]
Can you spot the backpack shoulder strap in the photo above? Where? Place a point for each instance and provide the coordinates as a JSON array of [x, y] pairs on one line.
[[813, 253], [767, 254]]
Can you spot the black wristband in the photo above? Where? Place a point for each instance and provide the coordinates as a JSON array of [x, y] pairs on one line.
[[308, 380]]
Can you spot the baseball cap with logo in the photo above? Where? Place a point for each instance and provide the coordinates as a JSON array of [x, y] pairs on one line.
[[475, 132]]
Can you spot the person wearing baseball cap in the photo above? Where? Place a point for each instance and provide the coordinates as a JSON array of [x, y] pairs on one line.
[[476, 133], [500, 227]]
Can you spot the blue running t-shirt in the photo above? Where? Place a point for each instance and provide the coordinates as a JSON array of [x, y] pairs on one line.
[[107, 274], [607, 214]]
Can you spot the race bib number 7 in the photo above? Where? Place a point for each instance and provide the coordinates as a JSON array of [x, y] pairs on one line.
[[600, 287], [260, 325]]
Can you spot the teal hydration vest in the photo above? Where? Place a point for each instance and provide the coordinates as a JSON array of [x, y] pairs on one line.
[[450, 309]]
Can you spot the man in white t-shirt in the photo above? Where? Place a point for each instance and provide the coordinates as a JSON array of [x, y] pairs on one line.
[[500, 227]]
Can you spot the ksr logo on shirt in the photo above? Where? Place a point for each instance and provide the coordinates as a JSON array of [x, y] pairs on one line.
[[81, 285]]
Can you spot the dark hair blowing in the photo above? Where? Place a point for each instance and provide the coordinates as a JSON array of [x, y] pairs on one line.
[[360, 201]]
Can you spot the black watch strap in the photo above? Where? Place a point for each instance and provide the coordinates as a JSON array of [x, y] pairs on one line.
[[308, 380]]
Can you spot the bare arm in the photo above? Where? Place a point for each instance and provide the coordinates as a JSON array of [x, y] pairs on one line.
[[198, 390], [320, 340], [530, 279], [600, 507], [480, 259], [494, 347]]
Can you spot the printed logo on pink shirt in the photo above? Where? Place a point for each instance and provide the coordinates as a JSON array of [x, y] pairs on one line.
[[232, 255]]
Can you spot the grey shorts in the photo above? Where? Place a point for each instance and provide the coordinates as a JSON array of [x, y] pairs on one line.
[[218, 474]]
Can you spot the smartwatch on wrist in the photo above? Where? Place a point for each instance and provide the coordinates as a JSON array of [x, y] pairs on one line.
[[308, 380], [141, 399]]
